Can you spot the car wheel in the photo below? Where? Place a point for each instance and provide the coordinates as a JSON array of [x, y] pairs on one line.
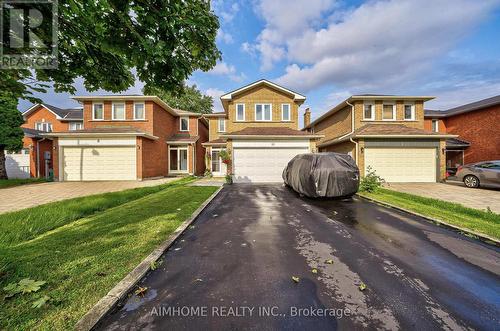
[[471, 181]]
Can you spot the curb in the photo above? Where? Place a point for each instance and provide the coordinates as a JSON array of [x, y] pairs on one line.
[[482, 237], [109, 301]]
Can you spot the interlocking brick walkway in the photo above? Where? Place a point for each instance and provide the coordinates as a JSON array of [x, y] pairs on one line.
[[473, 198], [20, 197]]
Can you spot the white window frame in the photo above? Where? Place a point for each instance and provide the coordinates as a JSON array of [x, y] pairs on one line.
[[435, 125], [46, 126], [289, 112], [143, 111], [113, 111], [393, 111], [244, 111], [371, 103], [219, 121], [412, 105], [263, 112], [74, 123], [93, 111], [180, 123], [178, 149]]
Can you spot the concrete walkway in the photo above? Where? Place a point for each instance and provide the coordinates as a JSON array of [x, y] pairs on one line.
[[21, 197], [473, 198]]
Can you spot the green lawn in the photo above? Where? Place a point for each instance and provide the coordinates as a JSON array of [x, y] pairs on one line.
[[4, 183], [83, 247], [477, 220]]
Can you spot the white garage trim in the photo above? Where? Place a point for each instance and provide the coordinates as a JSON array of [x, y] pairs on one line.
[[403, 164], [264, 161]]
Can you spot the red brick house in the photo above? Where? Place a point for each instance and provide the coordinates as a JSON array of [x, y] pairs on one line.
[[477, 127], [35, 160], [114, 137]]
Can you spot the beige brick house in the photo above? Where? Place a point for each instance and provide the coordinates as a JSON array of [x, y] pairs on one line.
[[385, 132], [260, 129]]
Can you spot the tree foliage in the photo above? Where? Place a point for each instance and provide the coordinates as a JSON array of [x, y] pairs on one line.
[[11, 134], [104, 41], [189, 98]]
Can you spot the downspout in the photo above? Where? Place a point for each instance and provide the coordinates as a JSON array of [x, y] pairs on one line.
[[352, 130]]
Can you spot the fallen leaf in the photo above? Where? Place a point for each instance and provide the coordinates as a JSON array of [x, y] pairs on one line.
[[40, 302], [141, 291], [29, 285], [362, 286], [314, 271], [295, 279], [329, 261]]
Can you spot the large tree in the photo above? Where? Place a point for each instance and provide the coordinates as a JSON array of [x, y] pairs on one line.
[[189, 98], [106, 41], [11, 134]]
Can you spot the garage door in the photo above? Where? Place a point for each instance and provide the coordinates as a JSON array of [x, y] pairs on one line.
[[402, 164], [262, 164], [99, 163], [18, 164]]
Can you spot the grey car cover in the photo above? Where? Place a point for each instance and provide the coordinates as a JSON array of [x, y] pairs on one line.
[[322, 175]]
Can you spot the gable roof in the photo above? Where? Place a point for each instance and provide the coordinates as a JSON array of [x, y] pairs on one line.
[[477, 105], [261, 132], [370, 97], [296, 96], [61, 114]]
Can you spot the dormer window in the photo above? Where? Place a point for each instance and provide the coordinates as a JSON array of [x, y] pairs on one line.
[[409, 114], [184, 123], [118, 111], [240, 112], [285, 112], [388, 112], [263, 112], [369, 111]]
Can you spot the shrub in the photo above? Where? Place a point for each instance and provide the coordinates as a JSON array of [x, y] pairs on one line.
[[370, 182], [229, 179]]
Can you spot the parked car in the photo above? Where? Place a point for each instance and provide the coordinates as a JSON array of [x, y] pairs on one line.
[[324, 175], [485, 173]]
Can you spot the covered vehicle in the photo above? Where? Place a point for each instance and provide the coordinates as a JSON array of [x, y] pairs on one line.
[[322, 175]]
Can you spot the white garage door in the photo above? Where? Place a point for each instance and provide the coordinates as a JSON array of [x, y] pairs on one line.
[[99, 163], [402, 164], [254, 165]]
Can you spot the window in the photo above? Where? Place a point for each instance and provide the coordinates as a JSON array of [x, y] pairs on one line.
[[285, 112], [388, 112], [97, 111], [118, 112], [215, 161], [263, 112], [184, 123], [369, 111], [409, 114], [75, 126], [222, 125], [43, 126], [139, 111], [240, 112], [435, 125]]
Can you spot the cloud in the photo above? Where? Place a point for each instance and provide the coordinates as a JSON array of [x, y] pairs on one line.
[[215, 94], [380, 44], [225, 10], [224, 37], [224, 69]]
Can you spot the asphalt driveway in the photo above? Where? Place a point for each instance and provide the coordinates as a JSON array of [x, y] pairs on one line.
[[232, 270]]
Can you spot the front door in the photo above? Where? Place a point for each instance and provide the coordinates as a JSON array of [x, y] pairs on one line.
[[178, 160], [218, 168]]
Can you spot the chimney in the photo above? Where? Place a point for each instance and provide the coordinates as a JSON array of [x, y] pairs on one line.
[[307, 117]]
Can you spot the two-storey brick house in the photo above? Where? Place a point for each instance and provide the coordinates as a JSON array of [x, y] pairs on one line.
[[386, 133], [260, 129], [36, 158], [477, 127], [128, 138]]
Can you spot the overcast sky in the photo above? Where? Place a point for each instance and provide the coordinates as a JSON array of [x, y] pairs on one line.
[[328, 50]]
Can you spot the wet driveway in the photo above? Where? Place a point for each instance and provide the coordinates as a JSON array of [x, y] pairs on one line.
[[233, 270]]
